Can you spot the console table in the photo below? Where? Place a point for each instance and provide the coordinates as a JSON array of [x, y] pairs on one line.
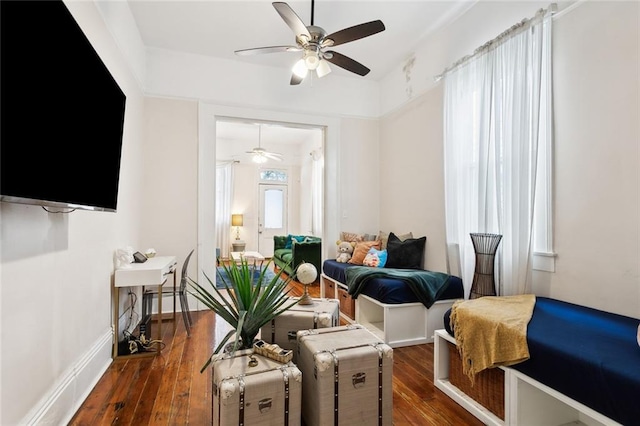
[[254, 256], [153, 272]]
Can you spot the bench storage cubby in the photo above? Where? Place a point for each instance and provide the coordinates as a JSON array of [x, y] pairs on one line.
[[388, 308], [584, 368]]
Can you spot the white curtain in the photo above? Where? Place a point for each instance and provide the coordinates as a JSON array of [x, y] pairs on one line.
[[224, 195], [497, 107], [317, 191]]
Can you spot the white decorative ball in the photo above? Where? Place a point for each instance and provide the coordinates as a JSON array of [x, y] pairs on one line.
[[306, 273]]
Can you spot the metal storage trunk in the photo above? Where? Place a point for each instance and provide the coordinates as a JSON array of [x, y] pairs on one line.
[[347, 374], [269, 393], [283, 329]]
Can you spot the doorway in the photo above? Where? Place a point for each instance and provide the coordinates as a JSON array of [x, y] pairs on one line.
[[280, 195], [273, 216]]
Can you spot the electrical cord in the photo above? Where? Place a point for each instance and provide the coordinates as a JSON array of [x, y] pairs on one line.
[[142, 344], [62, 212], [148, 343], [138, 344], [132, 311]]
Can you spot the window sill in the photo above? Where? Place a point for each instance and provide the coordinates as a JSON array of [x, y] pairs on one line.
[[544, 261]]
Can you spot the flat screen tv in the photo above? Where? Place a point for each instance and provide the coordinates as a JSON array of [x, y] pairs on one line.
[[61, 111]]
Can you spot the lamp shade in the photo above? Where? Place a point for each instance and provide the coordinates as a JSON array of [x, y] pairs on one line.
[[323, 69], [300, 68], [236, 220]]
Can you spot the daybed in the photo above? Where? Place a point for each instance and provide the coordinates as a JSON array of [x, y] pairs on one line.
[[584, 366], [388, 306], [289, 251]]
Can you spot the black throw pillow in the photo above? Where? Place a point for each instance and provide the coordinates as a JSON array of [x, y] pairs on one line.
[[405, 254]]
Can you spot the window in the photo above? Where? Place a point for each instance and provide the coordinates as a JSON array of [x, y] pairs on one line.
[[273, 175], [497, 136]]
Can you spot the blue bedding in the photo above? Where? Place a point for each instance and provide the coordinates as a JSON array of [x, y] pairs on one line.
[[390, 290], [589, 355]]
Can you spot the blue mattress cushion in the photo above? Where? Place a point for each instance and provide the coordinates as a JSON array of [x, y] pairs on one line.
[[390, 290], [589, 355]]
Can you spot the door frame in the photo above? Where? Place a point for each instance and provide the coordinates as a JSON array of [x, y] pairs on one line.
[[208, 114]]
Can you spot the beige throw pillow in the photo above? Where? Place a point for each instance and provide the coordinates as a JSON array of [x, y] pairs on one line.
[[384, 237], [351, 237]]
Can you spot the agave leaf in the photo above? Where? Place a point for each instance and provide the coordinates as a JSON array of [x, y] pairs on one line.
[[217, 350], [247, 304], [225, 310]]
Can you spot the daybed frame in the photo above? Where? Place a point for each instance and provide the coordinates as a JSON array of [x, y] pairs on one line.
[[397, 325], [526, 401]]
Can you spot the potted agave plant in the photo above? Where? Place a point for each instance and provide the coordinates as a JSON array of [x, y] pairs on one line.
[[250, 301]]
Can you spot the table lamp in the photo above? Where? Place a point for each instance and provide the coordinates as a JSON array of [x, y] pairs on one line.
[[306, 274], [236, 220]]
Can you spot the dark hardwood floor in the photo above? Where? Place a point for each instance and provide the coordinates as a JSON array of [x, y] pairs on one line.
[[169, 389]]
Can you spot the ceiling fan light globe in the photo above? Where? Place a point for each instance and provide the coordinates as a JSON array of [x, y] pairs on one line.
[[323, 69], [257, 158], [300, 69], [312, 61]]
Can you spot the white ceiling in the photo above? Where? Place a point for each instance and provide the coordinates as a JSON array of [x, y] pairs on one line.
[[234, 138], [217, 28]]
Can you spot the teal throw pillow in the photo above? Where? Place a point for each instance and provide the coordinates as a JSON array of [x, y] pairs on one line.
[[375, 258], [290, 238], [287, 244]]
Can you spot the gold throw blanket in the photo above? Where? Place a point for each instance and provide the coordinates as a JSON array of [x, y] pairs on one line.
[[491, 331]]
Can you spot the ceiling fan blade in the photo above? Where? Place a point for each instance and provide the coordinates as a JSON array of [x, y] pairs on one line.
[[295, 79], [356, 32], [293, 21], [268, 49], [346, 63]]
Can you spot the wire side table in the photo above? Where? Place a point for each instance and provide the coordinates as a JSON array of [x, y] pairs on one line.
[[485, 246]]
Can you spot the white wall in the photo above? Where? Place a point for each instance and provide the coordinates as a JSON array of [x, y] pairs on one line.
[[169, 213], [360, 179], [596, 183], [56, 273], [245, 190], [412, 175]]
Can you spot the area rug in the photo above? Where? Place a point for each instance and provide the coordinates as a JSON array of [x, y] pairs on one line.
[[221, 274]]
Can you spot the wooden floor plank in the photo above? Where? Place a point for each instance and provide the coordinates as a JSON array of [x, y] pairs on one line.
[[170, 390]]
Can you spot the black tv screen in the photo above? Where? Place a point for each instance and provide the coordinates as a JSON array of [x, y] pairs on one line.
[[61, 111]]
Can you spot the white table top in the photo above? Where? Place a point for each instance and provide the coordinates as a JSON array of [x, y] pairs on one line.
[[249, 255], [152, 272]]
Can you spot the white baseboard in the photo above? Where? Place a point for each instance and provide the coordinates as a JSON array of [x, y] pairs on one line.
[[70, 391]]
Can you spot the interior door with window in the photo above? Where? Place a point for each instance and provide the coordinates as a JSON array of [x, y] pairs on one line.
[[273, 216]]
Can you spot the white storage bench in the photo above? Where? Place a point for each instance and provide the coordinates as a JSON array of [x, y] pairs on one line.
[[527, 402], [402, 324]]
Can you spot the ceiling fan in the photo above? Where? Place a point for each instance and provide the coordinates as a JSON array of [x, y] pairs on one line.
[[261, 155], [314, 41]]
